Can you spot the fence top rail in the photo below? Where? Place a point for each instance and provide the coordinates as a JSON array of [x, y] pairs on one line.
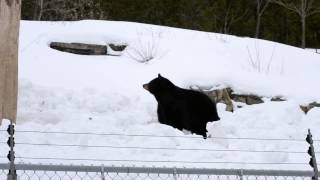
[[158, 170]]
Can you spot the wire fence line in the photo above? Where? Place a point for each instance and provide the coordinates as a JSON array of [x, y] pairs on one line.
[[38, 171], [160, 136], [157, 161], [48, 145], [157, 148]]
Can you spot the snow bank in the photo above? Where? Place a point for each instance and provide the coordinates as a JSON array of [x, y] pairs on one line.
[[103, 94]]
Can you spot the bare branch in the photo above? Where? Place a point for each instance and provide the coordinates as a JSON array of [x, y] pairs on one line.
[[261, 7], [235, 18], [289, 6], [305, 8], [264, 7], [314, 11]]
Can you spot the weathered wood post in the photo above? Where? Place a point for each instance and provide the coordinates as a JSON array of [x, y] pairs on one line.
[[9, 33], [9, 38]]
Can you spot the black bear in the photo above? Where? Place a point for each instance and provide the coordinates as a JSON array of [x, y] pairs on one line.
[[182, 108]]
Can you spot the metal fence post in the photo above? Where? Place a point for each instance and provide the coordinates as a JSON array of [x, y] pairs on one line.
[[12, 175], [241, 174], [175, 174], [102, 173], [313, 161]]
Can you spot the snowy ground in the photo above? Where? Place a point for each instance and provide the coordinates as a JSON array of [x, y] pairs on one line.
[[61, 92], [314, 50]]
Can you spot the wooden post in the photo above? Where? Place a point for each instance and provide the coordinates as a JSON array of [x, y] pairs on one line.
[[10, 11], [9, 39]]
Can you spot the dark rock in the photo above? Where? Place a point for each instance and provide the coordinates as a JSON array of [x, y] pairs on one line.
[[80, 48], [307, 108], [315, 104], [239, 98], [226, 96], [115, 47], [252, 99], [277, 99], [222, 96], [247, 99], [230, 91]]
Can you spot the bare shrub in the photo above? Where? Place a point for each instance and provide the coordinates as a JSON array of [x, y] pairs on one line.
[[261, 64], [146, 47]]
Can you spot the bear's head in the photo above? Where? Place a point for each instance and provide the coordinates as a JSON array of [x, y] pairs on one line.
[[159, 85]]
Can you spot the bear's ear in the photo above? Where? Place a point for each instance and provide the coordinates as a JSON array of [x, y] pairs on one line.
[[159, 75]]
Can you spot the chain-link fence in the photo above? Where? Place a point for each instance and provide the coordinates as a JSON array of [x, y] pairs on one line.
[[63, 172]]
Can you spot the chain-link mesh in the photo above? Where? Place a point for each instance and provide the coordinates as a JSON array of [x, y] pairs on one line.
[[51, 175], [3, 174], [43, 175], [146, 176], [40, 172]]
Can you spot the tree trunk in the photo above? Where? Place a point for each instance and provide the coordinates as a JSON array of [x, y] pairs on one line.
[[303, 31], [40, 10], [258, 26], [225, 23], [258, 18], [225, 27], [35, 10], [9, 33]]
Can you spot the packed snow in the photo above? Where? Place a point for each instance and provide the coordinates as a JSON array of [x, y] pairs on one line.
[[99, 101]]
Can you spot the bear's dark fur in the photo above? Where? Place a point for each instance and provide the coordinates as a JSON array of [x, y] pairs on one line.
[[182, 108]]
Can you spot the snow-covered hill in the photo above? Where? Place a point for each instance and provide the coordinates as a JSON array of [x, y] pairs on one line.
[[62, 92]]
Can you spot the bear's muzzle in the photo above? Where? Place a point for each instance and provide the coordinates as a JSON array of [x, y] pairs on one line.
[[146, 87]]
